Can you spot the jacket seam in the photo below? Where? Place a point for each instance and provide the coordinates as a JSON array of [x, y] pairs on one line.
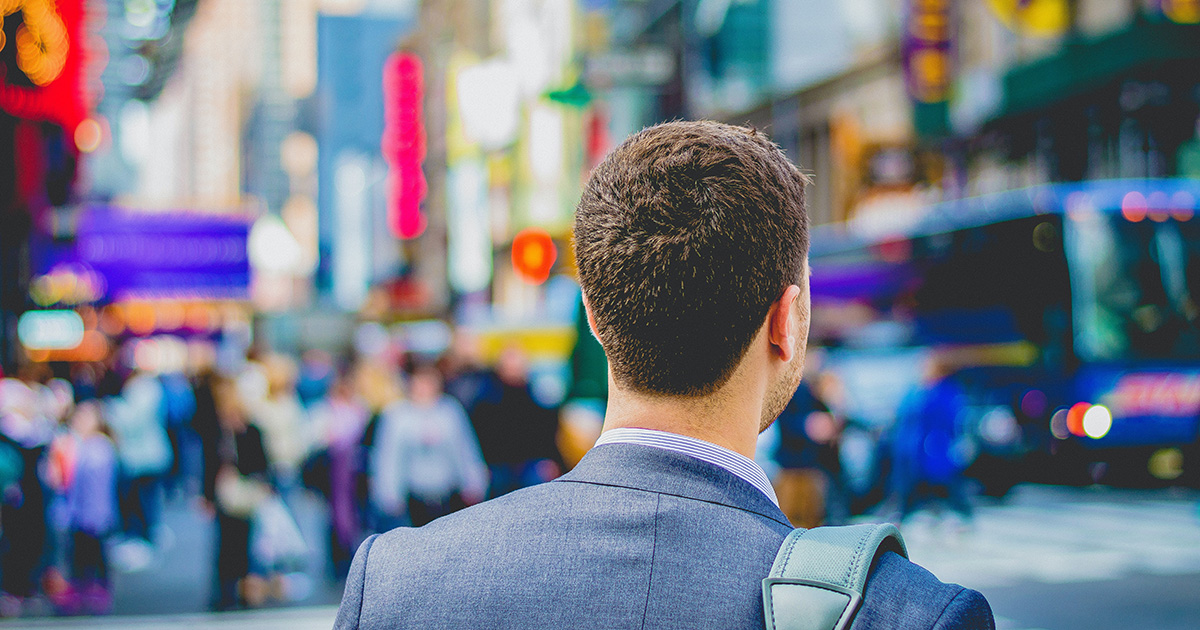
[[938, 621], [653, 550], [672, 494], [362, 593]]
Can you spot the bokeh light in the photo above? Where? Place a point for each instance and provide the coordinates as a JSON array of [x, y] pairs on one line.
[[1097, 421], [88, 135]]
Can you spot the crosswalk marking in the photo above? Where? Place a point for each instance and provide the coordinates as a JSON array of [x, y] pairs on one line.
[[1049, 535], [1004, 623]]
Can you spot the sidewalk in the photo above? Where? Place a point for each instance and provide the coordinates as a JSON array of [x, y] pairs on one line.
[[310, 618]]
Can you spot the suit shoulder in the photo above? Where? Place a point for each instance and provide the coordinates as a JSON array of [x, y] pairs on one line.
[[902, 594], [970, 610], [499, 514]]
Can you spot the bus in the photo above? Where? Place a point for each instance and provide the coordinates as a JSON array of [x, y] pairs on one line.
[[1069, 312]]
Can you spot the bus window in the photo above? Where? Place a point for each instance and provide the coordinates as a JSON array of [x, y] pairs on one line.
[[995, 283], [1135, 287], [1003, 286]]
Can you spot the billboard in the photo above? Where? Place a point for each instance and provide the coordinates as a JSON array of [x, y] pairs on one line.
[[138, 255]]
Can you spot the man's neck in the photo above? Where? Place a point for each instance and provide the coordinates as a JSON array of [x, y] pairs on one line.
[[723, 419]]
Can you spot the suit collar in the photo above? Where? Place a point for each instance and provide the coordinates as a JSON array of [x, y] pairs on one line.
[[660, 470]]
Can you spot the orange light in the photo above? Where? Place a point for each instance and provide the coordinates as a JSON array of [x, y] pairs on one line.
[[42, 43], [88, 135], [170, 316], [1133, 206], [140, 318], [533, 255], [1075, 418], [201, 317], [112, 320]]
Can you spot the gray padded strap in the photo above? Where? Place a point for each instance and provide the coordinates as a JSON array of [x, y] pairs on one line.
[[819, 574]]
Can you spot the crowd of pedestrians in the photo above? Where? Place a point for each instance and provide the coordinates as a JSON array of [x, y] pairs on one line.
[[90, 453], [87, 460]]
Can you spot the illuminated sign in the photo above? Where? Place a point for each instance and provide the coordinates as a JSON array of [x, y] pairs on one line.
[[69, 283], [1043, 18], [928, 38], [50, 330], [533, 255], [151, 255], [403, 143], [1181, 11], [42, 61], [1173, 394]]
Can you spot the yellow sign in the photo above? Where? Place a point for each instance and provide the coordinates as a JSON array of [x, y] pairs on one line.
[[1182, 11], [927, 50], [1040, 18]]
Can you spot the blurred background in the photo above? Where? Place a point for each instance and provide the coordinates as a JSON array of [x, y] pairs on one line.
[[276, 274]]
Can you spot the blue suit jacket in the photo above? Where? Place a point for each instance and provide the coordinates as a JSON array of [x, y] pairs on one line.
[[633, 537]]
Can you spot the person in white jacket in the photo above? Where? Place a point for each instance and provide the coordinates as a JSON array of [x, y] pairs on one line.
[[138, 423], [285, 426], [425, 462]]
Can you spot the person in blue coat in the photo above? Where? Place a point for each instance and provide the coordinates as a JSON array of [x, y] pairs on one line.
[[930, 450], [691, 240]]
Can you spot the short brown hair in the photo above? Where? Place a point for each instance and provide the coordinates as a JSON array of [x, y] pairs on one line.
[[684, 236]]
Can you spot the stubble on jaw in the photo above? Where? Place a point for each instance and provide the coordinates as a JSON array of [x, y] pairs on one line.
[[782, 390]]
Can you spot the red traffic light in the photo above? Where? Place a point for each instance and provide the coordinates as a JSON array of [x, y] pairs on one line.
[[533, 254]]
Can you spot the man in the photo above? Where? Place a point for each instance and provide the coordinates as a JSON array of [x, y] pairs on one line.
[[691, 240], [516, 433]]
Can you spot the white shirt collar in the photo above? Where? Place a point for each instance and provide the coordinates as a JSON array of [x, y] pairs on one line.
[[736, 463]]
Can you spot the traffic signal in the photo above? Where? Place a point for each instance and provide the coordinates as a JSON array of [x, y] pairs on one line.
[[533, 254]]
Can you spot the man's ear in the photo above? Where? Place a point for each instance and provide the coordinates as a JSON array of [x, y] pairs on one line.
[[782, 324], [591, 319]]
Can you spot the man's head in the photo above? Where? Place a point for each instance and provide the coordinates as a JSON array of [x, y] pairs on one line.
[[685, 237]]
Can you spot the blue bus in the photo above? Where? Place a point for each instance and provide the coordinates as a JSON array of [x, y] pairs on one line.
[[1069, 312]]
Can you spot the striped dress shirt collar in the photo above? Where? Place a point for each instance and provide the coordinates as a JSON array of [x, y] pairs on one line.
[[736, 463]]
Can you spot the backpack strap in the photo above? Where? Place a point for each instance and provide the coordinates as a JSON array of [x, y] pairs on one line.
[[819, 574]]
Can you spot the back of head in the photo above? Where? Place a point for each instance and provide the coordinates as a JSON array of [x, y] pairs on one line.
[[684, 235]]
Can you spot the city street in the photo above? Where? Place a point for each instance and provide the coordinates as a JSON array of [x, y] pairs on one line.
[[332, 265], [1075, 558], [178, 579], [1048, 557]]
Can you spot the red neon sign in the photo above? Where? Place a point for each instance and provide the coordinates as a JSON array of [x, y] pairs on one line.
[[48, 51], [403, 143]]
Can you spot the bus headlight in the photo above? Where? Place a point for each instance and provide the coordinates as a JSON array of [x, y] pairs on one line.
[[1097, 421]]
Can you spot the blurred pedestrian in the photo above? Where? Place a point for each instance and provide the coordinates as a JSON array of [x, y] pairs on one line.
[[466, 379], [340, 420], [85, 469], [377, 385], [59, 407], [426, 461], [930, 450], [516, 433], [807, 457], [207, 427], [236, 485], [317, 373], [85, 380], [25, 434], [283, 422], [138, 425], [179, 404]]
